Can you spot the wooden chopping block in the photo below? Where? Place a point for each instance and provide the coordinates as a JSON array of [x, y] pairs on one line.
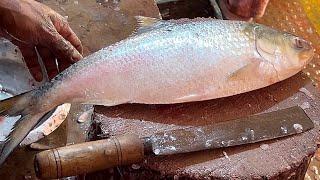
[[276, 159]]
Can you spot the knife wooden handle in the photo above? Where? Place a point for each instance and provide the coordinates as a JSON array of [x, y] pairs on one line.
[[89, 157]]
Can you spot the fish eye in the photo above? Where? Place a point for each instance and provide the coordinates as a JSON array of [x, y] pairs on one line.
[[298, 43]]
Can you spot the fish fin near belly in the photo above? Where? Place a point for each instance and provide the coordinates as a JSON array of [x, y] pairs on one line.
[[251, 70], [106, 103], [256, 71], [190, 97]]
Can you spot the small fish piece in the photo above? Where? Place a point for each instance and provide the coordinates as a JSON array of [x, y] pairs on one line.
[[226, 155], [307, 93], [51, 124], [85, 115], [167, 62], [305, 105], [264, 146]]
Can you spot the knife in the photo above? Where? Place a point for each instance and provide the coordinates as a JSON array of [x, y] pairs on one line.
[[130, 148]]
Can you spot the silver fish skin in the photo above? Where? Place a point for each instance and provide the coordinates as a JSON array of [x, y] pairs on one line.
[[167, 62], [183, 61]]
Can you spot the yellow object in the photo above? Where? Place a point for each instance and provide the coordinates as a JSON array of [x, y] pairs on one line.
[[311, 8]]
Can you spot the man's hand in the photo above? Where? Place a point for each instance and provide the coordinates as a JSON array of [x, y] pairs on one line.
[[244, 9], [29, 25]]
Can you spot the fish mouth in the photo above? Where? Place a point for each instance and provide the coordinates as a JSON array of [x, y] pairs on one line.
[[306, 57], [307, 51]]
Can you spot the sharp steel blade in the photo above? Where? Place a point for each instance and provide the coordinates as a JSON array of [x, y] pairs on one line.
[[231, 133]]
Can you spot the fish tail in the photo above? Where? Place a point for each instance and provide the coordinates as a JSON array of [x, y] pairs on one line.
[[20, 105], [14, 105]]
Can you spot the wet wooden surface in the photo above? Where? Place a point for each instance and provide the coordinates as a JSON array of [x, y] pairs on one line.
[[102, 24], [287, 157], [186, 9]]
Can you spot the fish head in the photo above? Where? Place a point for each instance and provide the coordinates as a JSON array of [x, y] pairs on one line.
[[286, 52], [297, 51]]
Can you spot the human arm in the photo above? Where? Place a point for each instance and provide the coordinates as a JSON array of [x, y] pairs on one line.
[[244, 9], [29, 25]]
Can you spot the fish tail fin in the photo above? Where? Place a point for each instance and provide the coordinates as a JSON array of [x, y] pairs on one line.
[[18, 106], [15, 105]]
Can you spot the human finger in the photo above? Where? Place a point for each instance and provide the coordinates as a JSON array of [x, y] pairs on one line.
[[64, 29], [31, 59], [48, 61]]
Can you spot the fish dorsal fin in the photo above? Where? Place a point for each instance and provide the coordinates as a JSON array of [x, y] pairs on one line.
[[146, 21], [146, 24]]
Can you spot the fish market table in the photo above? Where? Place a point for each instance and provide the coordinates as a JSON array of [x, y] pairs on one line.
[[276, 159]]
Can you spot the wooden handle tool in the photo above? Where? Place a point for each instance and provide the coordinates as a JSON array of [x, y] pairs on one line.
[[89, 157]]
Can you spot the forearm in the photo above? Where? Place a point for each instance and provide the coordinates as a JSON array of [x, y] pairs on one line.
[[7, 9], [3, 12], [7, 6], [8, 2], [29, 24], [11, 11], [1, 33], [15, 14]]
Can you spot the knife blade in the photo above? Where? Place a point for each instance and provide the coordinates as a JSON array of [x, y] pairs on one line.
[[130, 148], [232, 133]]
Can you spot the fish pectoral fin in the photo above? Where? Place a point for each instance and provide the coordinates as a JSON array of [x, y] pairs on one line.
[[247, 72], [146, 24], [104, 103], [190, 97]]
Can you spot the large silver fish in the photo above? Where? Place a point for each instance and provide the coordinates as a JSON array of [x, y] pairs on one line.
[[167, 62]]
